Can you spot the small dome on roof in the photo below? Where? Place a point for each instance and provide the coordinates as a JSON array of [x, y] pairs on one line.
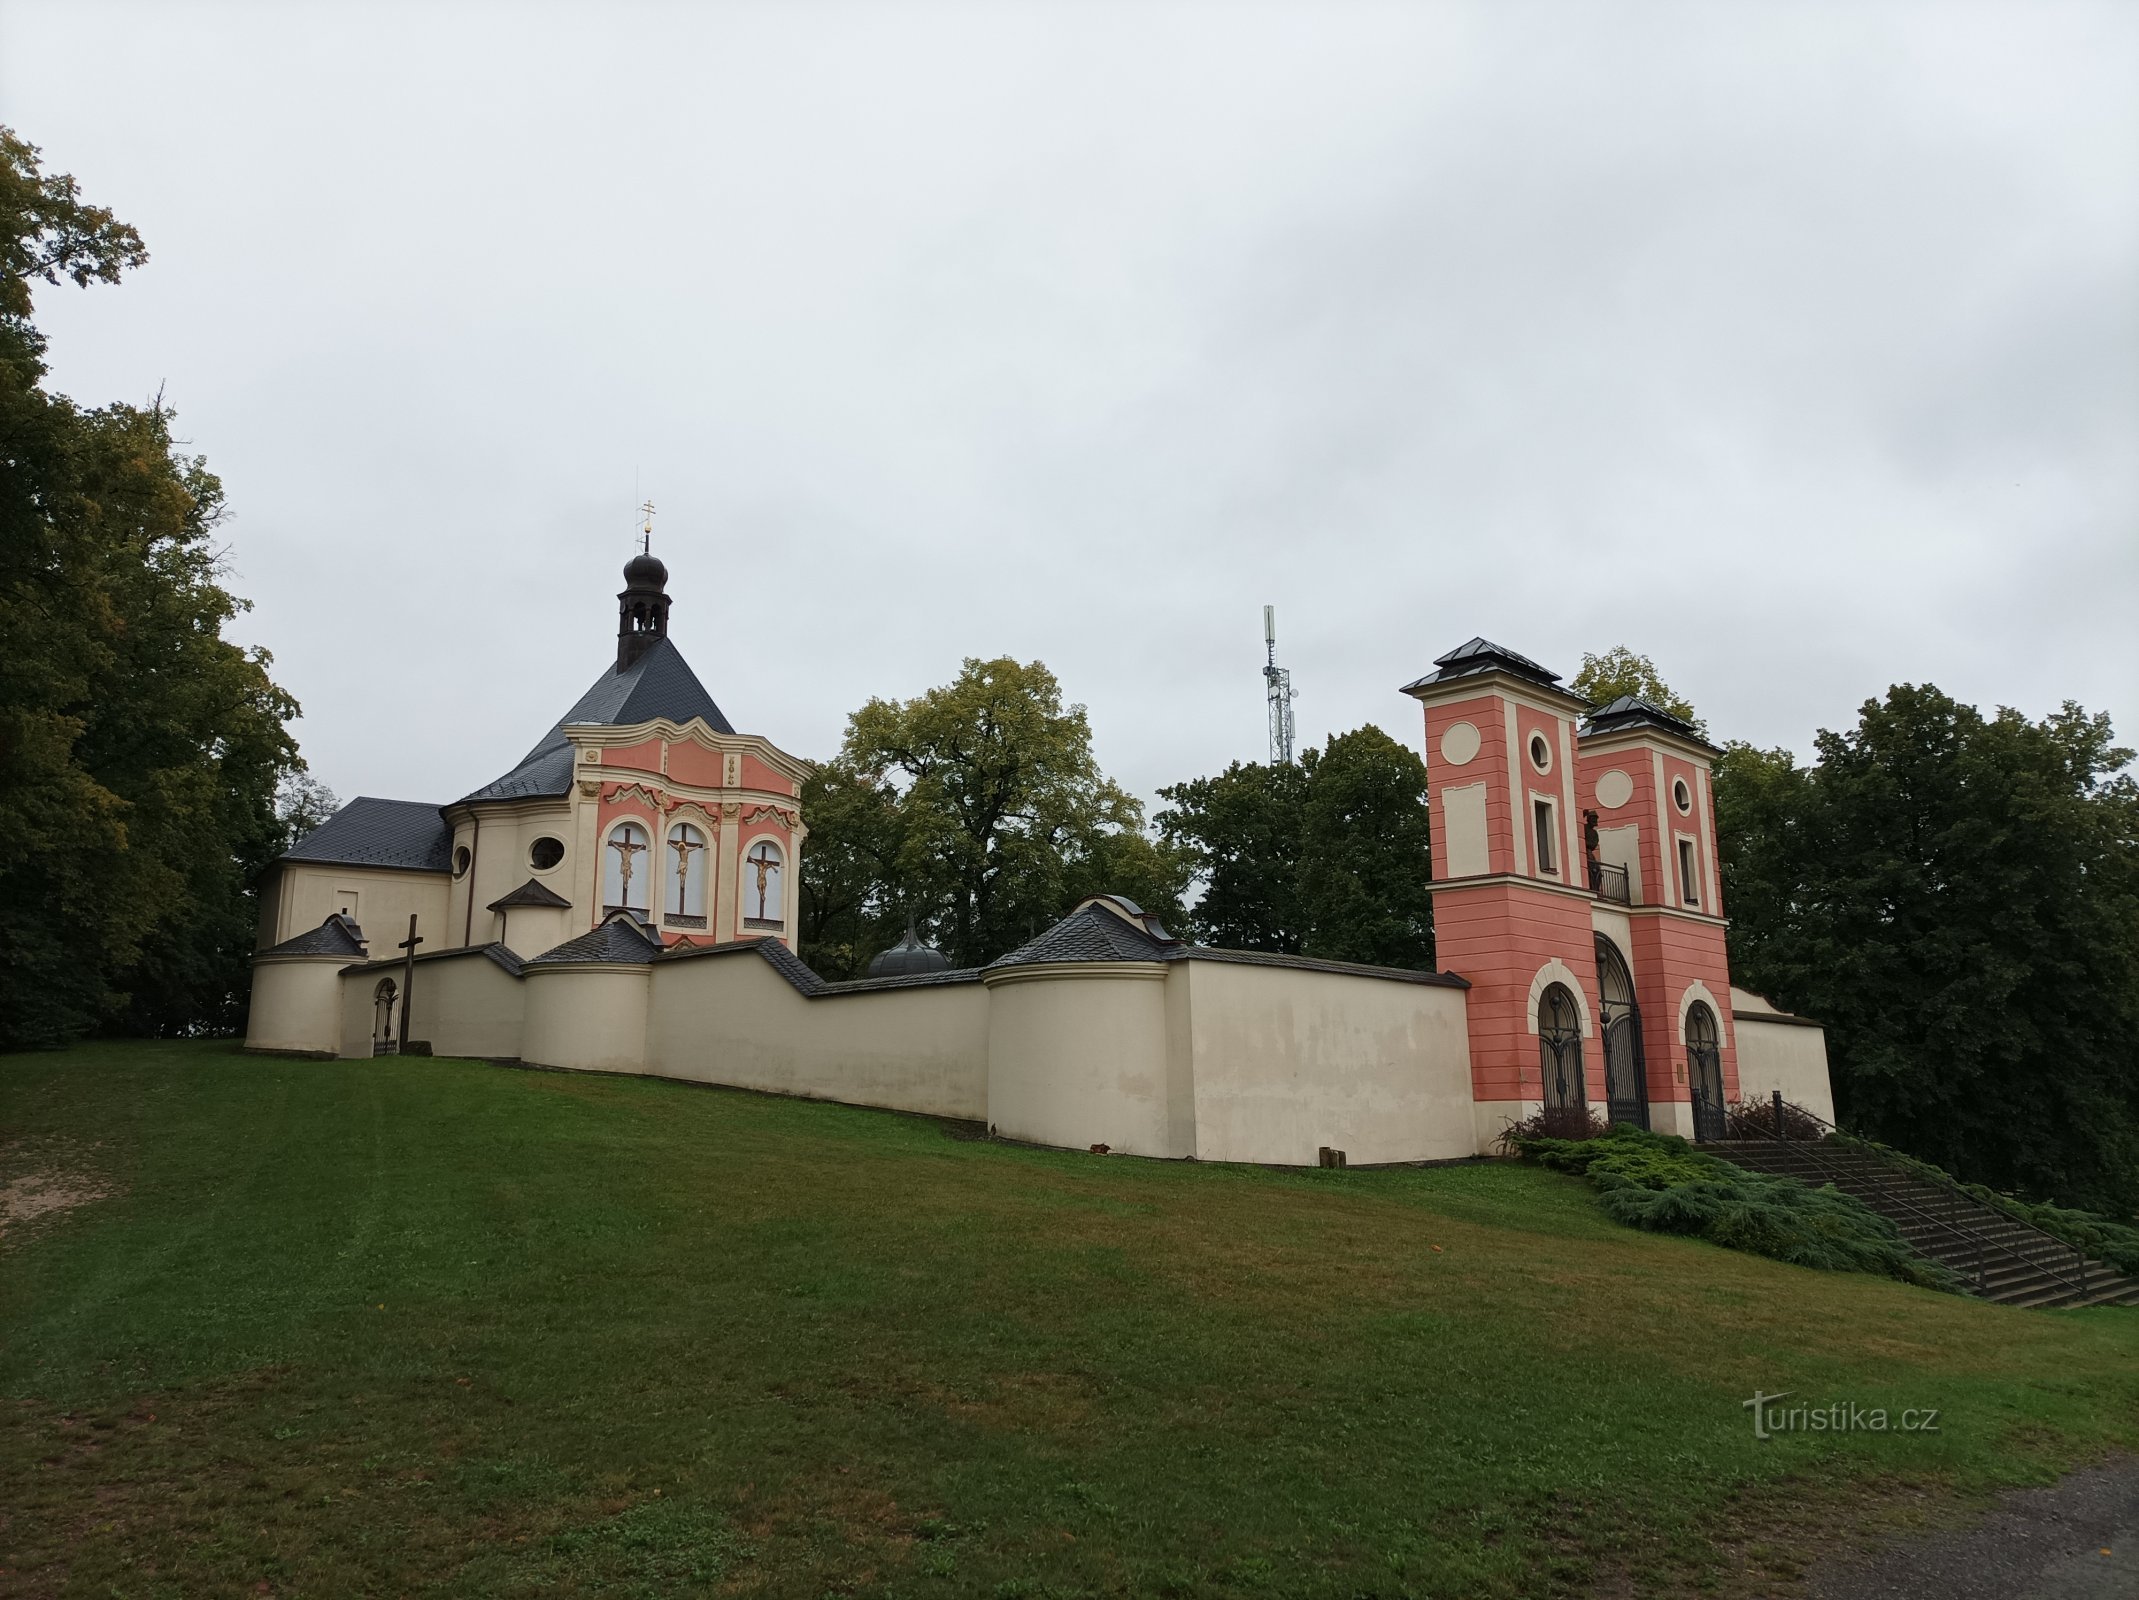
[[908, 957], [645, 571]]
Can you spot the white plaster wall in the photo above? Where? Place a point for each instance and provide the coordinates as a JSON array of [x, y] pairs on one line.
[[296, 1004], [1790, 1056], [468, 1005], [1490, 1119], [590, 1018], [307, 896], [1287, 1061], [732, 1019], [1077, 1057]]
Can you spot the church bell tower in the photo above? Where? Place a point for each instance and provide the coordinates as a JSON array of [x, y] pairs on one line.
[[642, 608]]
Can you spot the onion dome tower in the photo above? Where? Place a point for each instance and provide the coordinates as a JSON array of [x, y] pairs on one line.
[[908, 957], [642, 607]]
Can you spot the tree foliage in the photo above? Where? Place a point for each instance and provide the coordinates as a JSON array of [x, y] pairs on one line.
[[979, 811], [1328, 858], [140, 752], [1957, 897], [1620, 671]]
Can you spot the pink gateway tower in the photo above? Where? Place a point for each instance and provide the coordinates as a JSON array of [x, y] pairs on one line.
[[1574, 863]]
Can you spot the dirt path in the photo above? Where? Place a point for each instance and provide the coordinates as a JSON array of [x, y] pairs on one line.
[[2076, 1540]]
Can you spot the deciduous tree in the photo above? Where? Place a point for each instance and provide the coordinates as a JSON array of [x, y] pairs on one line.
[[1957, 897], [140, 751], [1328, 858], [998, 818], [1619, 671]]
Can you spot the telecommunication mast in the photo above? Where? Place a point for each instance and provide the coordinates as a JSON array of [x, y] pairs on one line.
[[1277, 690]]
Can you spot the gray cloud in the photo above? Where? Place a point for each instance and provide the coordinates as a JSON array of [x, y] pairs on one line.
[[1796, 346]]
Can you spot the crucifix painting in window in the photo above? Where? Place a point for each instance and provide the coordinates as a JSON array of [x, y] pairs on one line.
[[624, 873], [762, 886], [683, 892]]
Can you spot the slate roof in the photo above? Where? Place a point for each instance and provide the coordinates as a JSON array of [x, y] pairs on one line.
[[1476, 656], [337, 936], [805, 980], [409, 834], [530, 893], [1355, 969], [1091, 933], [502, 955], [908, 957], [621, 938], [659, 684], [1632, 711]]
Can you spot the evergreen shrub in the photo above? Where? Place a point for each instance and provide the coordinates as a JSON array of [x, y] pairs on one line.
[[1663, 1184]]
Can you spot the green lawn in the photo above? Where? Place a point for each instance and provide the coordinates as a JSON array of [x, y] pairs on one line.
[[341, 1328]]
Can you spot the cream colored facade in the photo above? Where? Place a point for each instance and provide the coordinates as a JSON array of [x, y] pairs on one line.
[[1192, 1053], [1779, 1051]]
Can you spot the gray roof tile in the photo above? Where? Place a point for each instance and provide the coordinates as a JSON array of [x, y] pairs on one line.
[[1481, 655], [659, 684], [1090, 933], [408, 834], [530, 893], [621, 938], [337, 936], [805, 981], [1632, 711], [1353, 969]]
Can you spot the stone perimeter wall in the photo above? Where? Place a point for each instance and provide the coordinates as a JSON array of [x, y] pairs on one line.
[[1216, 1060]]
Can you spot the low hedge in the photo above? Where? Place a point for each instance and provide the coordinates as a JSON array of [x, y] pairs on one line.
[[1663, 1184]]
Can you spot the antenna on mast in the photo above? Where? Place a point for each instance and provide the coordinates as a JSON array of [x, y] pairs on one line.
[[1277, 692]]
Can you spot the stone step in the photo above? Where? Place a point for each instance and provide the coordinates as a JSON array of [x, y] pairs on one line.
[[2001, 1258]]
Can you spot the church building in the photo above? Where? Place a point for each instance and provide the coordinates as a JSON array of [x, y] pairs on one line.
[[624, 899]]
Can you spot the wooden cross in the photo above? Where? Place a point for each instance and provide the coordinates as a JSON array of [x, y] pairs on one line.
[[765, 861], [408, 978], [625, 847], [683, 848]]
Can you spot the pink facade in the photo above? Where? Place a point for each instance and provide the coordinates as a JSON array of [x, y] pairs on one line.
[[1559, 828], [721, 834]]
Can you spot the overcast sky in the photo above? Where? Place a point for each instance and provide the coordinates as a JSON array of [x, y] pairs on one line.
[[1796, 345]]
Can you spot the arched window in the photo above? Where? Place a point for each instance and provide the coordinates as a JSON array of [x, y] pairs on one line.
[[625, 868], [1619, 1020], [683, 885], [764, 885], [1704, 1070], [382, 1017], [1559, 1048]]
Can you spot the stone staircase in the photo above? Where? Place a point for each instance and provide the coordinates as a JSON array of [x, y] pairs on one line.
[[1999, 1257]]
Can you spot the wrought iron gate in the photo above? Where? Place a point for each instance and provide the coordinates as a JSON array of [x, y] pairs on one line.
[[1625, 1076]]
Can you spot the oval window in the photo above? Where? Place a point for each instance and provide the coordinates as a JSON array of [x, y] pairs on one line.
[[545, 853], [1540, 753], [1681, 796], [461, 858]]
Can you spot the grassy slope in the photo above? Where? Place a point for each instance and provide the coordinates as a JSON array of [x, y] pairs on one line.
[[366, 1327]]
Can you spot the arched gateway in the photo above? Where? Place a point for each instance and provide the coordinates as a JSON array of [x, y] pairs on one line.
[[1625, 1079]]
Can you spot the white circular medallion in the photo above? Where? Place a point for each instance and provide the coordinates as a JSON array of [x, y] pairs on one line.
[[1614, 790], [1459, 743]]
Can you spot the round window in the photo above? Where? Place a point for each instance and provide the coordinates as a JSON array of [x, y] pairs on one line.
[[461, 858], [1540, 753], [1681, 796], [545, 853]]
